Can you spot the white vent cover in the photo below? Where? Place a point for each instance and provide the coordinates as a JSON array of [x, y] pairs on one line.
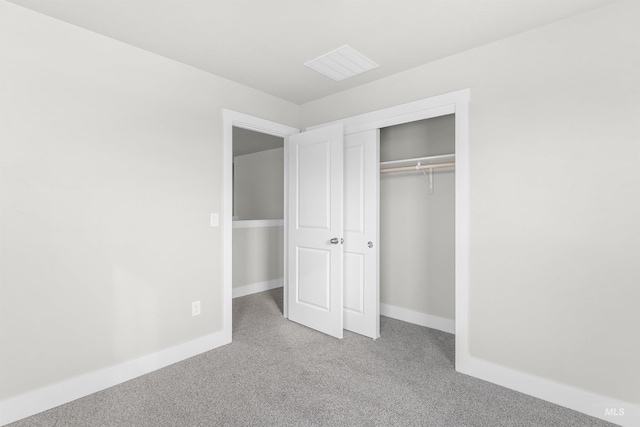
[[341, 63]]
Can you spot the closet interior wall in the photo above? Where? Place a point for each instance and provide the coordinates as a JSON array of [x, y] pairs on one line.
[[417, 228]]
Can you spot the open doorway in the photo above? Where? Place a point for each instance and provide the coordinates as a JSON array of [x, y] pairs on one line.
[[257, 212], [235, 122], [417, 222]]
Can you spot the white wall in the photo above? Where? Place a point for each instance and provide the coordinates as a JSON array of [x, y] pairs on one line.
[[555, 193], [110, 167], [258, 194], [258, 255], [417, 229], [258, 185]]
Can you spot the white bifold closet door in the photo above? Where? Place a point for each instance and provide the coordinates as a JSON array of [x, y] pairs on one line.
[[333, 231]]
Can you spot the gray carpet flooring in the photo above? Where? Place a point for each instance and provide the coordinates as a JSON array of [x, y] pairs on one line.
[[278, 373]]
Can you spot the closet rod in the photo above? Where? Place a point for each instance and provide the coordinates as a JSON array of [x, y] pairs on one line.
[[418, 167], [418, 159]]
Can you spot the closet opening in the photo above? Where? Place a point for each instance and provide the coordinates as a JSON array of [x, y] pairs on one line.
[[417, 222], [257, 213]]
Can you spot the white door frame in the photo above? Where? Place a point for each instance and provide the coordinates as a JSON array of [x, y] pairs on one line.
[[454, 102], [229, 120]]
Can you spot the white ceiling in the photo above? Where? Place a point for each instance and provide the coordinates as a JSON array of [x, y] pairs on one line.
[[264, 43]]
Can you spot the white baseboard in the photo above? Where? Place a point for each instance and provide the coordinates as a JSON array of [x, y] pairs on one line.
[[254, 288], [48, 397], [598, 406], [422, 319]]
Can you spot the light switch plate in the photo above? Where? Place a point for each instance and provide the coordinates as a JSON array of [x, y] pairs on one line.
[[215, 219]]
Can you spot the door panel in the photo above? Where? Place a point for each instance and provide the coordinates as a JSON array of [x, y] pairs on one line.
[[360, 262], [314, 191], [354, 186], [312, 284], [314, 218], [354, 276]]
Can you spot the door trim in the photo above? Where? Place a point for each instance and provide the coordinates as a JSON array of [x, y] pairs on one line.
[[449, 103], [229, 120], [427, 108]]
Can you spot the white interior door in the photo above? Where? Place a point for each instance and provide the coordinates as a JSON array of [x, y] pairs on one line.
[[315, 229], [361, 245]]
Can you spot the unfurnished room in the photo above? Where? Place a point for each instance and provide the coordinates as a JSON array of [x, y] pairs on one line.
[[334, 213]]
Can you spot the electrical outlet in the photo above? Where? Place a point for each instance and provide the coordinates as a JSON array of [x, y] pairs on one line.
[[195, 308]]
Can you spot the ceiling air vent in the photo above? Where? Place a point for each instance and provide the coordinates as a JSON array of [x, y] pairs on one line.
[[341, 63]]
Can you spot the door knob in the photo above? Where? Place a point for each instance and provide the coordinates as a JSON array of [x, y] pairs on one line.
[[370, 244], [334, 241]]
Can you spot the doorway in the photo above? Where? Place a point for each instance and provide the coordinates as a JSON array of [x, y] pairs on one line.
[[257, 212], [417, 222], [456, 103], [231, 120]]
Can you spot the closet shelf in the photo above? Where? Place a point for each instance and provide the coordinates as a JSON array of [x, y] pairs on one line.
[[418, 163]]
